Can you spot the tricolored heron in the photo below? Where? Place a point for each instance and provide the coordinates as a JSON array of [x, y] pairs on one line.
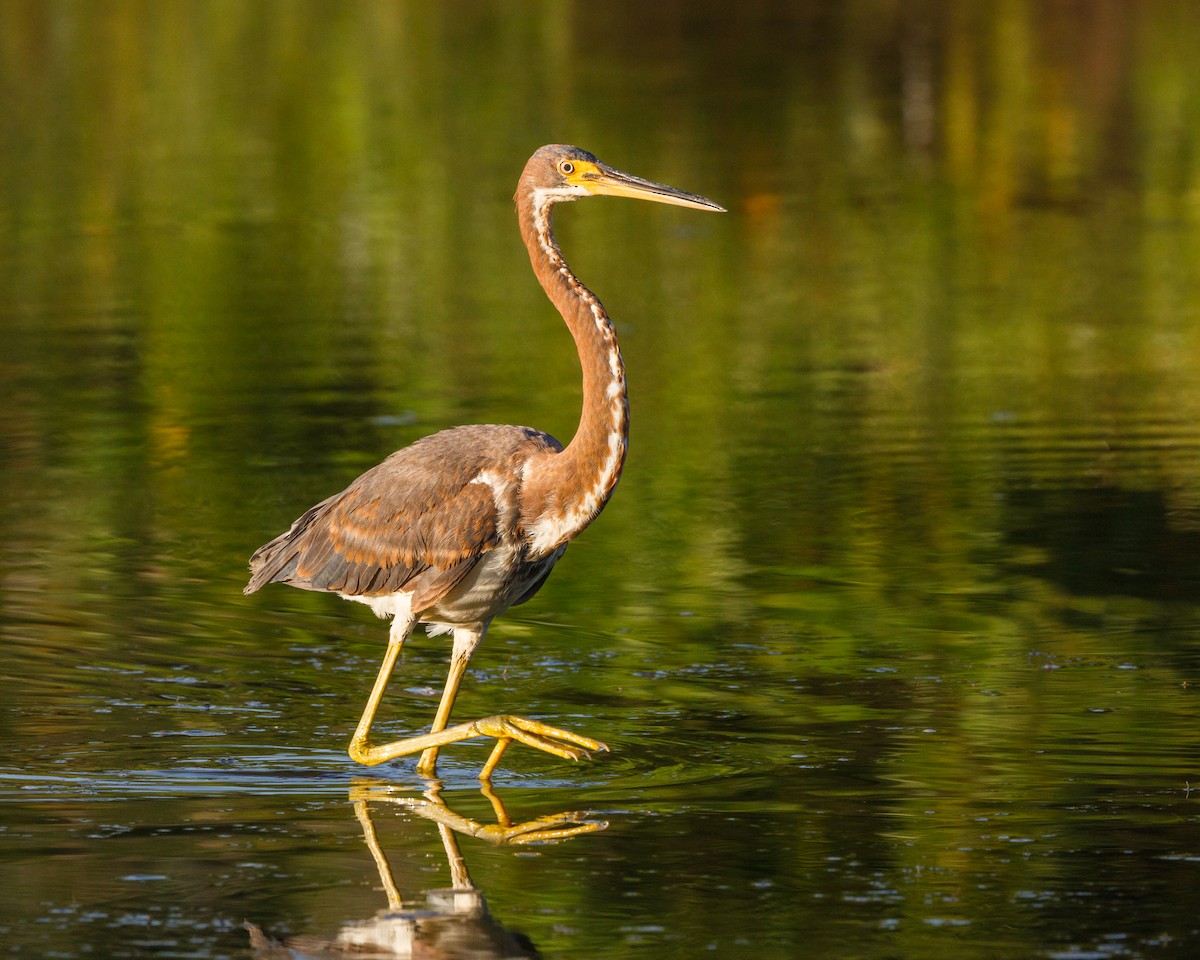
[[456, 528]]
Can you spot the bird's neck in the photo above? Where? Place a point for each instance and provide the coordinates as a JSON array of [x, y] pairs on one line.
[[567, 491]]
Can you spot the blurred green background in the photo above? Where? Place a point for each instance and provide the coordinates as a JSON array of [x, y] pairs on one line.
[[896, 605]]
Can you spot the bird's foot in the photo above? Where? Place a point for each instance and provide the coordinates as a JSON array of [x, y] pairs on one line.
[[541, 736], [505, 728]]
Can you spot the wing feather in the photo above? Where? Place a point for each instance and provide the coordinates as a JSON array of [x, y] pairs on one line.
[[418, 521]]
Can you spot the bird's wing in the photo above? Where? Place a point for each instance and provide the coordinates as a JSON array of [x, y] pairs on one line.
[[419, 521], [373, 540]]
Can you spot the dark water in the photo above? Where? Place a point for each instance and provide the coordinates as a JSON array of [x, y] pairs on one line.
[[894, 623]]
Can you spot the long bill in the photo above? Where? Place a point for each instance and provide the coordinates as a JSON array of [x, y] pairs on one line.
[[603, 180]]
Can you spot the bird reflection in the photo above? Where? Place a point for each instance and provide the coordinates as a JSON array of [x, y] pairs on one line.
[[451, 923]]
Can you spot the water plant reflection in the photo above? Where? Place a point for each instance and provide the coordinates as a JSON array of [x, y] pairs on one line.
[[450, 922]]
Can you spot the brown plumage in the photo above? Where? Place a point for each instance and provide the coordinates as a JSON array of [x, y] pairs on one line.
[[420, 521], [456, 528]]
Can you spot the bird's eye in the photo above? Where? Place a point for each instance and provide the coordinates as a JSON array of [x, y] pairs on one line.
[[566, 167]]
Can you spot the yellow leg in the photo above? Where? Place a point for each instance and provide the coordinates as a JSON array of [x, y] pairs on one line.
[[503, 728], [466, 639], [359, 750], [497, 752]]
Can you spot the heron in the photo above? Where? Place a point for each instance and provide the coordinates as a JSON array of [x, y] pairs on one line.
[[452, 530]]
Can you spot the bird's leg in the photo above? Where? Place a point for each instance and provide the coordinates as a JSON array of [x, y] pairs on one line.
[[503, 728], [466, 639], [493, 758], [359, 750]]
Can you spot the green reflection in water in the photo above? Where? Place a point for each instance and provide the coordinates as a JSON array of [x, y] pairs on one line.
[[892, 623]]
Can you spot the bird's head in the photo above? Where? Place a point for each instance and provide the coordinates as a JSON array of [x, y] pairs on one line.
[[558, 172]]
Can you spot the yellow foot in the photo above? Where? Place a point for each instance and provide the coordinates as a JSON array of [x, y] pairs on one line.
[[503, 728], [533, 733]]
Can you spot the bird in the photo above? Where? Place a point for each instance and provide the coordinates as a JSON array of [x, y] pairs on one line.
[[452, 530]]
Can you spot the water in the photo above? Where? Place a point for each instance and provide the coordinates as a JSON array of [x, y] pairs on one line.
[[892, 624]]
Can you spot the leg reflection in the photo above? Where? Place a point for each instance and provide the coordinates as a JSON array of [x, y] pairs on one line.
[[547, 829], [450, 922]]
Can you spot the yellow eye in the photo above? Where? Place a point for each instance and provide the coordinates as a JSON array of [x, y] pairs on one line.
[[566, 167]]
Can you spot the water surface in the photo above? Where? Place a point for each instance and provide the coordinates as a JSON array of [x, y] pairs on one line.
[[892, 625]]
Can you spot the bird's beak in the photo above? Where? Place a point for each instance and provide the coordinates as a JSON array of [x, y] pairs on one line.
[[603, 180]]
